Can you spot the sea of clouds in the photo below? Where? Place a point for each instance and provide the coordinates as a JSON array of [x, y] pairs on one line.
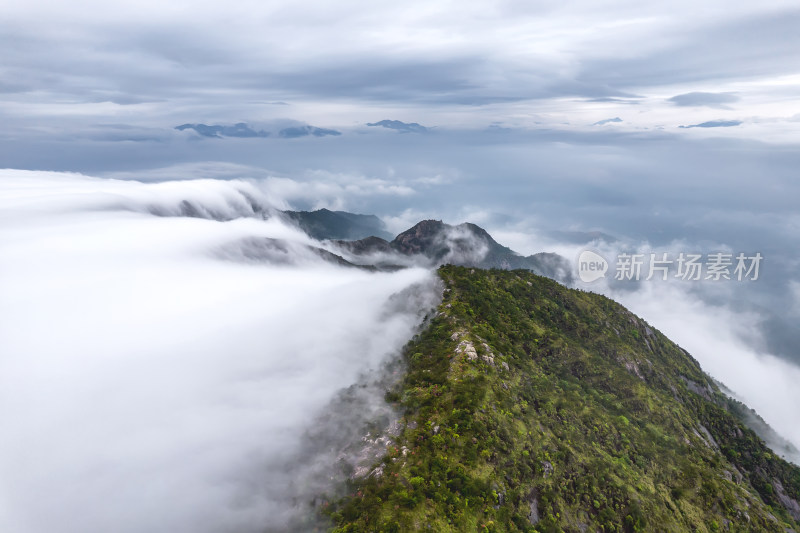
[[150, 382], [164, 366]]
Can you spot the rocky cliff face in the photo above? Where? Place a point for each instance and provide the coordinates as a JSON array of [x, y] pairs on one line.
[[527, 406]]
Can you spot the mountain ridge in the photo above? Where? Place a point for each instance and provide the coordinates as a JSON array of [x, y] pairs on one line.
[[402, 127], [527, 406], [463, 244], [325, 224], [243, 130]]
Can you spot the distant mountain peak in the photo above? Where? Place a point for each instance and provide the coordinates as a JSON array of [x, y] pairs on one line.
[[240, 129], [715, 124], [430, 242], [403, 127], [325, 224], [435, 242], [305, 131], [419, 237]]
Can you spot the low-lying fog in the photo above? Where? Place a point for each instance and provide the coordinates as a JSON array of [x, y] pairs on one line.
[[150, 382]]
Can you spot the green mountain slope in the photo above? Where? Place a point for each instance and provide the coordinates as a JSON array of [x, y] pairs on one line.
[[326, 224], [532, 407]]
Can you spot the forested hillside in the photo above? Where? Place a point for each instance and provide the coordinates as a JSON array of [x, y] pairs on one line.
[[528, 406]]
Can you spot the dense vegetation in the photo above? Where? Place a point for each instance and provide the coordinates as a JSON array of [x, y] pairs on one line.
[[532, 407]]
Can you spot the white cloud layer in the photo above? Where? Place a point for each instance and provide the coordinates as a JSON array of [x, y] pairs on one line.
[[148, 385]]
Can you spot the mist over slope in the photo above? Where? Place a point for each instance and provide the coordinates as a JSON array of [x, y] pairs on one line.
[[434, 243], [528, 406], [150, 379]]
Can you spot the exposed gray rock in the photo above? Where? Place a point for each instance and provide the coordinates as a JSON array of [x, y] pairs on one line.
[[533, 508], [468, 349], [706, 437], [704, 391], [791, 505]]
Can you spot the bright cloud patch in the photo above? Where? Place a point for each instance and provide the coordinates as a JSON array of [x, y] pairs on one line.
[[149, 382]]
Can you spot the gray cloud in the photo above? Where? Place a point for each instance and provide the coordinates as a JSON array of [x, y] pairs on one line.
[[192, 59], [720, 49], [616, 100], [699, 99]]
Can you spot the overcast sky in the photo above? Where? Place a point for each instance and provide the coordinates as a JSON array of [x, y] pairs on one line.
[[451, 64]]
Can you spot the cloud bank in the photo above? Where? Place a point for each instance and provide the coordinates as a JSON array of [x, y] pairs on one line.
[[149, 383], [699, 99]]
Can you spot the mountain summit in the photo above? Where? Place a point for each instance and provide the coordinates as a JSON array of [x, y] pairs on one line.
[[464, 244], [326, 224], [402, 127]]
